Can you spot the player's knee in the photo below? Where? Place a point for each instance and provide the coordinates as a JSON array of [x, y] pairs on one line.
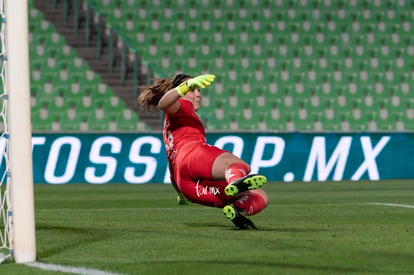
[[262, 194]]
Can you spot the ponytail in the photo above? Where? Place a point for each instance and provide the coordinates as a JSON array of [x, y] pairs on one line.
[[150, 95]]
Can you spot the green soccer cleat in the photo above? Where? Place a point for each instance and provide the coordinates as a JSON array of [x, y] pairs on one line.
[[238, 217], [249, 182]]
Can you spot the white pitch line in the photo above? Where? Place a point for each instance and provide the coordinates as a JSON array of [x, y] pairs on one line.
[[69, 269], [392, 204], [4, 257]]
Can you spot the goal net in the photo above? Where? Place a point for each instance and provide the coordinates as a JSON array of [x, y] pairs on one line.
[[5, 221]]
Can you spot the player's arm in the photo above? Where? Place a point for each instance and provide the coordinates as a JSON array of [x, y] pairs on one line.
[[169, 101]]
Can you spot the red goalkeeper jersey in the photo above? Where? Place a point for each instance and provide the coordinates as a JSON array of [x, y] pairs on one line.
[[182, 128]]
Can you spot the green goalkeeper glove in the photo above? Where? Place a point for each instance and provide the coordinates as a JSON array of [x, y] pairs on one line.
[[182, 200], [200, 82]]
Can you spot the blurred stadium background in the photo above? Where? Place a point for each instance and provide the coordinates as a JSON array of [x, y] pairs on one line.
[[281, 65]]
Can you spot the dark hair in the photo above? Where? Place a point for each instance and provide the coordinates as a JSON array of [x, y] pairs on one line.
[[179, 78], [150, 95]]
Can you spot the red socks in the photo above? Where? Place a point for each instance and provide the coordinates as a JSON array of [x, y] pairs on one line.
[[252, 202], [236, 171]]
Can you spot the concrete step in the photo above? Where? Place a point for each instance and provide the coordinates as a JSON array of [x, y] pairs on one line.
[[125, 91]]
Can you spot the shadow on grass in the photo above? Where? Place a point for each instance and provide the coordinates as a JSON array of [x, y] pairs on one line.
[[206, 224], [70, 238], [257, 265], [294, 230], [267, 229]]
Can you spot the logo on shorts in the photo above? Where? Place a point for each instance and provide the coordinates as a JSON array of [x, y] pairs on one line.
[[205, 190]]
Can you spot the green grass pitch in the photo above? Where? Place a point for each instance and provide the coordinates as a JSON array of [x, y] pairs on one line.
[[308, 228]]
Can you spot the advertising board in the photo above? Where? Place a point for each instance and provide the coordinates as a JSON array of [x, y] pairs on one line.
[[140, 158]]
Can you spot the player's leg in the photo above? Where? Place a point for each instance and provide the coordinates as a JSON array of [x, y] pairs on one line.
[[192, 167], [246, 204], [238, 197], [237, 209], [211, 193], [253, 201], [217, 168], [205, 192], [236, 173]]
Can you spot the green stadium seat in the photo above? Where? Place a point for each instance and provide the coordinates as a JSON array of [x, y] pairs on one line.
[[42, 119], [56, 70], [98, 124], [331, 52], [129, 121], [68, 124]]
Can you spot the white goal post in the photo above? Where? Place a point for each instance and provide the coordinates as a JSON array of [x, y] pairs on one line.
[[17, 132]]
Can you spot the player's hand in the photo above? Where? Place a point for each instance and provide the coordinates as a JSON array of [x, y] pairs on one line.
[[182, 200], [199, 82]]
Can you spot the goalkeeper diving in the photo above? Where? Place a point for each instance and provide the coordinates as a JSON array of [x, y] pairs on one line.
[[202, 173]]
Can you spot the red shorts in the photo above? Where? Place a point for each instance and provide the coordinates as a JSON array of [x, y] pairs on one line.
[[193, 174]]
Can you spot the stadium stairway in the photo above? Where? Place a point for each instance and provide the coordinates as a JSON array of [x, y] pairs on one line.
[[125, 91]]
